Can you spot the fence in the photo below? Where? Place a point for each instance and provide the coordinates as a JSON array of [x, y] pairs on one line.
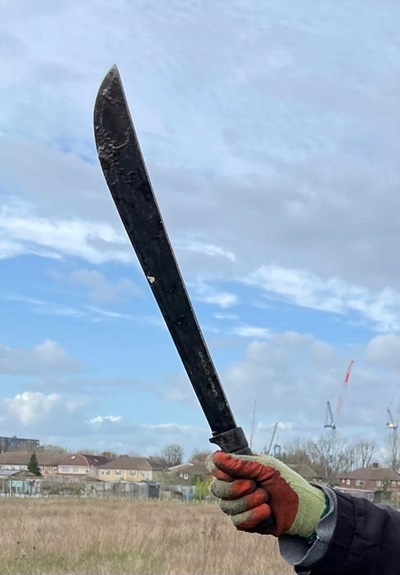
[[50, 488]]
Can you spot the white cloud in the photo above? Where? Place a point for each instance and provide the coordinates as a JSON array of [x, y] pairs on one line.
[[293, 375], [88, 312], [222, 299], [148, 439], [100, 419], [95, 242], [384, 351], [100, 289], [208, 294], [207, 249], [47, 357], [107, 313], [270, 139], [277, 170], [39, 412], [300, 287], [251, 331], [225, 316]]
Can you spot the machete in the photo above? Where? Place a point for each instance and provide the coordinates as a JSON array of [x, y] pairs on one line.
[[129, 183]]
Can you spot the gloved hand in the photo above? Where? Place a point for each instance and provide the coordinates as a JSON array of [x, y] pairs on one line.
[[251, 488]]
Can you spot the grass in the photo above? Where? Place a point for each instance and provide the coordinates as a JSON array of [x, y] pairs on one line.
[[113, 537]]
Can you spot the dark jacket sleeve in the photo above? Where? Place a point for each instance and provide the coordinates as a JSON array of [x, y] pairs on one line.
[[366, 540]]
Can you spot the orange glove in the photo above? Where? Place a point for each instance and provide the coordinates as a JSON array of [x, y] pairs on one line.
[[251, 488]]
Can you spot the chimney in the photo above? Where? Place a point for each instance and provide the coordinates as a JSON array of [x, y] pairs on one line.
[[375, 465]]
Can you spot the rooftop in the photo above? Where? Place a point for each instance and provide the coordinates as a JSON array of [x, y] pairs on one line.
[[127, 462], [374, 473]]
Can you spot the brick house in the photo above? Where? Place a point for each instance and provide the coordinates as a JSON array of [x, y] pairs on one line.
[[18, 461], [125, 468], [373, 478], [80, 465], [188, 473]]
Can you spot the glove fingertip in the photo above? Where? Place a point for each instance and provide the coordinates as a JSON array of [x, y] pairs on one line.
[[221, 475], [224, 461], [219, 457], [253, 520]]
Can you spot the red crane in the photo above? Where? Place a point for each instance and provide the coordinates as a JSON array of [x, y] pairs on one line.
[[330, 420]]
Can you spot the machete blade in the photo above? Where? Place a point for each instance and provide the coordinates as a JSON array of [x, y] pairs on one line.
[[129, 183]]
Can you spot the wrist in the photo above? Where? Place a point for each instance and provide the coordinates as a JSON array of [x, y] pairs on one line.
[[311, 539], [312, 507]]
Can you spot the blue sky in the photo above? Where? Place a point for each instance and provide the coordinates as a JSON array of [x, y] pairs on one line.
[[270, 133]]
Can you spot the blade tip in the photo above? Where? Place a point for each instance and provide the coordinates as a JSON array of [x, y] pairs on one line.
[[108, 80], [112, 73]]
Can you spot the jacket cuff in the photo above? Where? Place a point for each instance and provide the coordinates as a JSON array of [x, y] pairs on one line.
[[298, 552]]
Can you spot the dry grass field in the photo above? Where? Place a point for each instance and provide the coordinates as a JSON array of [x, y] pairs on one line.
[[113, 537]]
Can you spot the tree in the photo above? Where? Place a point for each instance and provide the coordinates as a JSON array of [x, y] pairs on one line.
[[297, 453], [109, 454], [200, 455], [361, 454], [201, 489], [172, 455], [33, 465], [53, 448], [392, 451], [328, 455]]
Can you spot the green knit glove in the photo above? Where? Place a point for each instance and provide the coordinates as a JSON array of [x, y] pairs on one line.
[[252, 488]]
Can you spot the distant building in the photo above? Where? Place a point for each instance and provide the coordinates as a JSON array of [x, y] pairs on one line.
[[125, 468], [19, 460], [189, 473], [15, 443], [80, 465], [373, 478]]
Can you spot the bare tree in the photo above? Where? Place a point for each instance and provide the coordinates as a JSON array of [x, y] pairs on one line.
[[200, 455], [392, 451], [361, 454], [330, 455], [297, 452], [172, 455]]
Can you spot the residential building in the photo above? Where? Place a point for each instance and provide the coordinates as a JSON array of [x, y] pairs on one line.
[[15, 443], [80, 465], [158, 467], [188, 473], [373, 478], [19, 460], [125, 468]]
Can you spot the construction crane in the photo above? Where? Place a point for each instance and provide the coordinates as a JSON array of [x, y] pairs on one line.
[[331, 421], [253, 424], [277, 451], [391, 424], [272, 439]]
